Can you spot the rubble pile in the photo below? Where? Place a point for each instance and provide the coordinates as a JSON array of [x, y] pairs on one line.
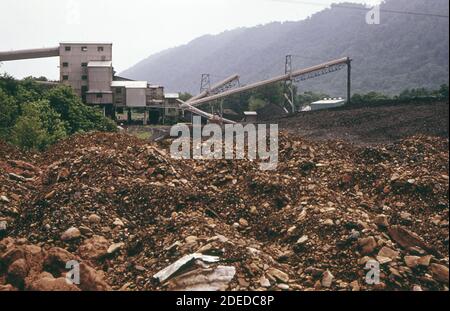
[[30, 267], [149, 222], [17, 182]]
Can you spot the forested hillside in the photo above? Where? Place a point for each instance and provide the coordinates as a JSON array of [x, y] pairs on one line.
[[404, 51]]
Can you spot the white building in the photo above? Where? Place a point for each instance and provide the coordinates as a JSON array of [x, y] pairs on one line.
[[325, 103]]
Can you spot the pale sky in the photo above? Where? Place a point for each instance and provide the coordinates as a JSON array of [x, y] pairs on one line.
[[137, 28]]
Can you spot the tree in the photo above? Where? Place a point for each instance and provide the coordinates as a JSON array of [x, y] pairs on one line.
[[50, 120], [309, 97], [272, 93], [256, 103], [185, 96], [443, 91], [8, 84], [9, 111], [78, 116], [33, 116], [28, 133], [38, 127]]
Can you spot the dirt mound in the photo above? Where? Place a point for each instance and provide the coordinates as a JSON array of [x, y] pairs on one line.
[[368, 125], [270, 110], [18, 179], [328, 210], [8, 152]]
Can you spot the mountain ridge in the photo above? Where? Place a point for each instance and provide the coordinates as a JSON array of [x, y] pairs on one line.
[[402, 52]]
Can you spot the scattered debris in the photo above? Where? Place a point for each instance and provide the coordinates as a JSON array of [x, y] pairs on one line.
[[166, 273], [209, 279], [71, 234], [155, 223], [327, 279], [115, 248]]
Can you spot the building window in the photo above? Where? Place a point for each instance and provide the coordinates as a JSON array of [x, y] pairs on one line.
[[65, 77], [100, 49], [99, 95], [68, 48], [65, 64], [84, 77], [84, 49], [84, 89], [84, 64], [119, 91]]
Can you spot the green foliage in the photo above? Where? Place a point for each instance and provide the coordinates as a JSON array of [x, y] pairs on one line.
[[79, 117], [28, 132], [419, 94], [9, 111], [8, 84], [256, 103], [34, 117], [273, 93], [185, 96], [371, 96], [414, 93], [443, 91], [255, 99], [49, 119], [309, 97], [38, 126]]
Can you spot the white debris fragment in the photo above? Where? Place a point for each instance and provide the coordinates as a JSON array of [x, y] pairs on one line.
[[167, 272]]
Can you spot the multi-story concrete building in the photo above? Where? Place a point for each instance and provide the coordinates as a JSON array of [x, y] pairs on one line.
[[74, 58]]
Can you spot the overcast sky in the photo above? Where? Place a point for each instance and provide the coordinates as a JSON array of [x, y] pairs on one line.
[[137, 28]]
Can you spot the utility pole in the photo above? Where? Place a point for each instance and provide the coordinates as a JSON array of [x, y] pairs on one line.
[[288, 84], [205, 84], [349, 80]]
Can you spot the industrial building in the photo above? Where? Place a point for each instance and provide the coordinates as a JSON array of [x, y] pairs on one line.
[[88, 69]]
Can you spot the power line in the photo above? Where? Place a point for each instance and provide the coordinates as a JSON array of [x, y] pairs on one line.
[[343, 6]]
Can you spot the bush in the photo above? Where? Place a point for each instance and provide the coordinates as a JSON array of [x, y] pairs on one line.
[[33, 116], [9, 111], [256, 103], [28, 133], [38, 127], [79, 117]]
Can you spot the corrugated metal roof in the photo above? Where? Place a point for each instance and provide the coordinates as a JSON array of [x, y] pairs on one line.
[[85, 43], [329, 101], [130, 84], [100, 64], [250, 113], [172, 95]]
